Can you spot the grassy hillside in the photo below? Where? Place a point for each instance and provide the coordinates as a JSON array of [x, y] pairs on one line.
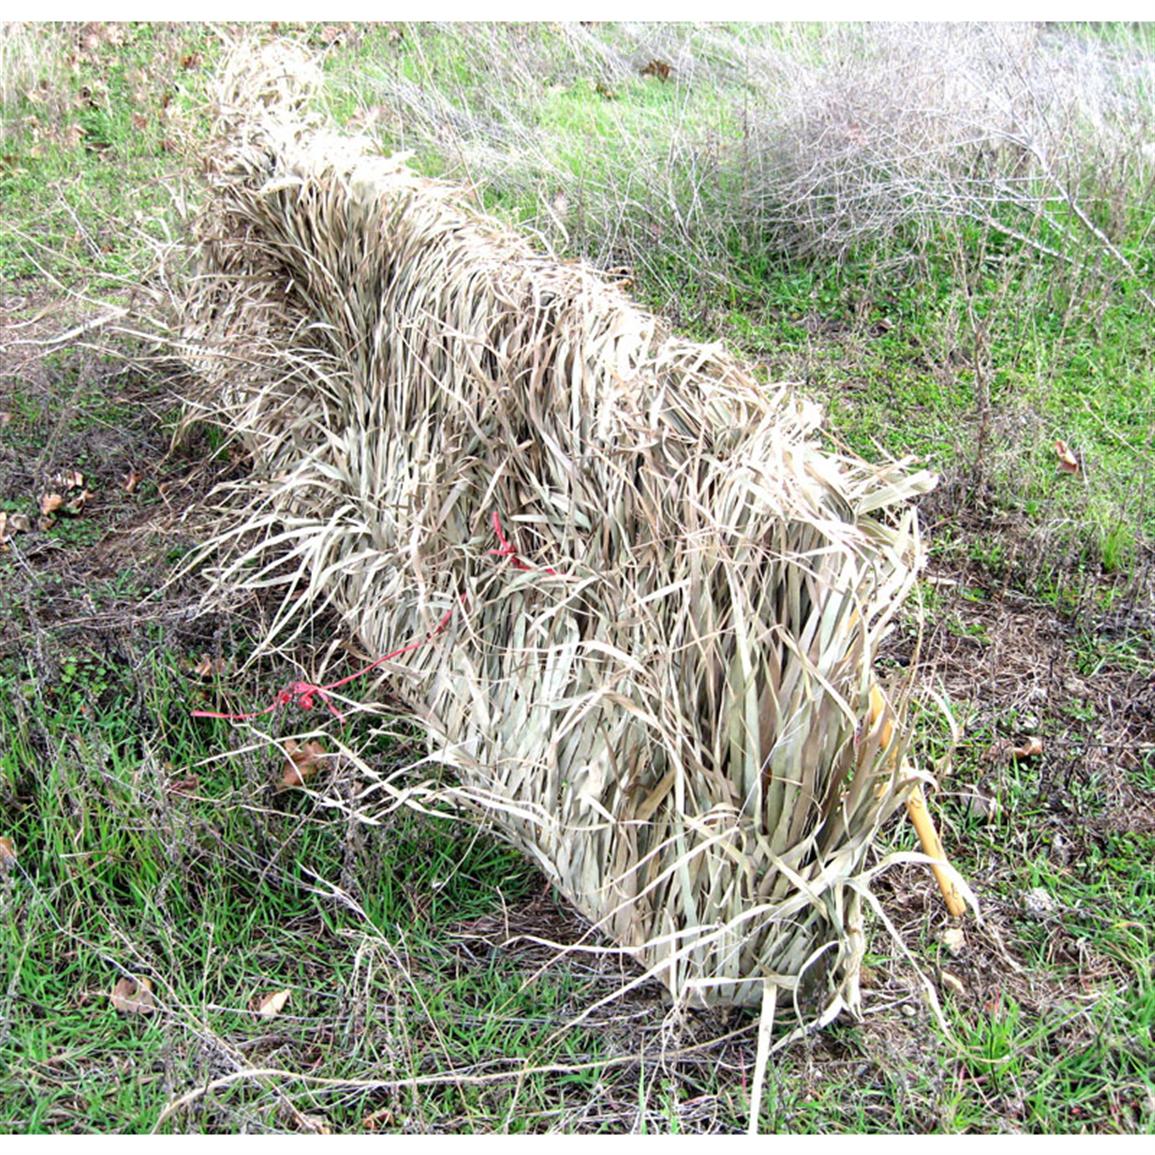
[[944, 235]]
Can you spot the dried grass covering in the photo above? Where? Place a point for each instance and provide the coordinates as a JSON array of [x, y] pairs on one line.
[[661, 691]]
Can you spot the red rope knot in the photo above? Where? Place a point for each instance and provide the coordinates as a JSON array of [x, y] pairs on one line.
[[507, 549], [305, 694]]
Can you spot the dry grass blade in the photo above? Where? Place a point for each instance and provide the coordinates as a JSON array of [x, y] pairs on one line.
[[656, 684]]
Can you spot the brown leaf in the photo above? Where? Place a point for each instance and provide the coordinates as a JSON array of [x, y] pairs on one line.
[[380, 1118], [18, 523], [209, 667], [1031, 748], [139, 121], [50, 503], [133, 996], [658, 68], [5, 416], [130, 481], [7, 855], [77, 503], [69, 479], [1068, 462], [270, 1005], [302, 764], [192, 60], [189, 785]]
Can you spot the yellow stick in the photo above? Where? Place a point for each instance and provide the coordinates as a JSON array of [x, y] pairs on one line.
[[916, 808], [932, 847]]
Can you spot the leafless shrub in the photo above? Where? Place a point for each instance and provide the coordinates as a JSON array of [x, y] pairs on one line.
[[881, 128], [806, 139]]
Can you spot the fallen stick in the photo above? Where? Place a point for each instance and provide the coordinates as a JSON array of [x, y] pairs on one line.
[[918, 813], [932, 846]]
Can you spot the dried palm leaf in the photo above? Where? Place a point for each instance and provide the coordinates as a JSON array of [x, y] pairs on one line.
[[651, 601]]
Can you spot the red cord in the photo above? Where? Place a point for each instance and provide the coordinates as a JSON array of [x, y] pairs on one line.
[[304, 694], [508, 551]]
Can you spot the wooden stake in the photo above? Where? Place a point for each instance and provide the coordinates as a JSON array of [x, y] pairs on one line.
[[932, 847], [917, 810]]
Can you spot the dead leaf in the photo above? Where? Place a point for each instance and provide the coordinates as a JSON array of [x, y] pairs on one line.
[[953, 984], [270, 1005], [77, 503], [139, 121], [299, 1121], [190, 61], [5, 417], [302, 764], [50, 503], [953, 939], [189, 785], [209, 667], [134, 996], [315, 1124], [1031, 748], [69, 479], [130, 481], [7, 855], [1068, 462], [18, 523], [658, 68], [381, 1118]]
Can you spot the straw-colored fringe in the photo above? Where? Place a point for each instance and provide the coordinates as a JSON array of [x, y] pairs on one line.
[[671, 724]]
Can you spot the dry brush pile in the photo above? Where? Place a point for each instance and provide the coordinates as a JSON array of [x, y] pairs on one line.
[[1029, 130], [631, 602]]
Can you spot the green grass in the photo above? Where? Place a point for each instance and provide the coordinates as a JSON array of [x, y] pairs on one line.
[[220, 895], [90, 166], [409, 1009]]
